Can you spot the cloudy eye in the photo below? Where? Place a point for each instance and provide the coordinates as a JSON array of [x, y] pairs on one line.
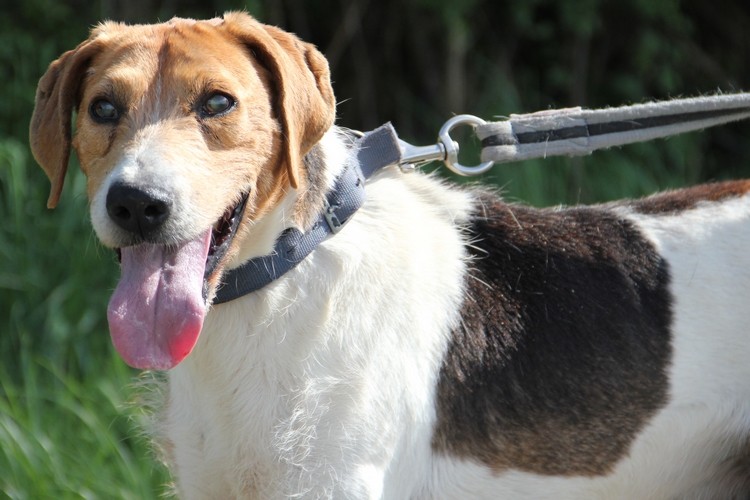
[[103, 110], [217, 104]]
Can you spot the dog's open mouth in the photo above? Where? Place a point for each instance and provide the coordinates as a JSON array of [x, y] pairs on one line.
[[222, 235], [157, 310]]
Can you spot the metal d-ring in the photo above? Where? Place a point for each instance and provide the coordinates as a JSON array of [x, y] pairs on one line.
[[451, 146]]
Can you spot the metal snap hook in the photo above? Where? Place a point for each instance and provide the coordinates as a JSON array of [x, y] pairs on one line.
[[451, 147]]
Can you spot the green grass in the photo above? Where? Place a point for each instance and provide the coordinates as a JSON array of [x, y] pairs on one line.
[[66, 428], [66, 438]]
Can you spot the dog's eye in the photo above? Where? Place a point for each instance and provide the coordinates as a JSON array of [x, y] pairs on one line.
[[217, 104], [104, 111]]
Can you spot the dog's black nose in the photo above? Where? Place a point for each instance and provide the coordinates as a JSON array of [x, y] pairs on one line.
[[138, 210]]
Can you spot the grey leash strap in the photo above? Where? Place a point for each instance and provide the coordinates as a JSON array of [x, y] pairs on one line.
[[577, 131]]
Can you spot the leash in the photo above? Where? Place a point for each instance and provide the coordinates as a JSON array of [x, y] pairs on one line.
[[578, 131], [574, 131], [564, 132]]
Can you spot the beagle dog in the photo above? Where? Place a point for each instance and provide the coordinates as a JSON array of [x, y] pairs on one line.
[[443, 343]]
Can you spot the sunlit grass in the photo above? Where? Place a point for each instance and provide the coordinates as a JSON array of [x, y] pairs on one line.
[[66, 430], [67, 438]]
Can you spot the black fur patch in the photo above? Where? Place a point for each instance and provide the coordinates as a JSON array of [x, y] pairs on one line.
[[564, 342]]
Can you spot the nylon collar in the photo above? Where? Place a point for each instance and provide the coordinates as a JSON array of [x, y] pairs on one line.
[[375, 150]]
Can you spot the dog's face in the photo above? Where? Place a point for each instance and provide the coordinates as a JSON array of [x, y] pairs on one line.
[[187, 132]]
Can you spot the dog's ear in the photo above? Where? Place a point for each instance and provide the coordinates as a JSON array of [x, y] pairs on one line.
[[57, 96], [306, 106]]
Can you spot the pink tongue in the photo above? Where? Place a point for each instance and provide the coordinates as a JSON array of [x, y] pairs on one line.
[[157, 309]]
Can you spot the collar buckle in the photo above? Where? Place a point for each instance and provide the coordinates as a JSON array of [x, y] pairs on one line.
[[332, 219]]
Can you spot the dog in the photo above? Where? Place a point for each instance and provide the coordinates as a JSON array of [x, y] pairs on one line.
[[443, 343]]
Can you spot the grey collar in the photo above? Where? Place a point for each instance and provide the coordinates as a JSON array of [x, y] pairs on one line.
[[375, 150]]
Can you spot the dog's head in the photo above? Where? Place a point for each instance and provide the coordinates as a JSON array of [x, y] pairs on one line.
[[187, 132]]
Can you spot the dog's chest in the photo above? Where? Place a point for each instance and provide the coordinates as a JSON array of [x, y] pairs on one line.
[[320, 375], [220, 424]]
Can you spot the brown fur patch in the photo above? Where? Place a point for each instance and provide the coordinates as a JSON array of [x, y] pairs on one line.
[[685, 199], [561, 355]]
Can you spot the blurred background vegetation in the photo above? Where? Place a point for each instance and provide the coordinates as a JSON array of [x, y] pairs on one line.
[[66, 428]]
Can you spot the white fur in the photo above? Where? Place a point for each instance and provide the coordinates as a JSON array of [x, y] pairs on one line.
[[303, 388], [318, 387]]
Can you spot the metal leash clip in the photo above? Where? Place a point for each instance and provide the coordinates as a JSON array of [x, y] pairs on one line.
[[446, 149]]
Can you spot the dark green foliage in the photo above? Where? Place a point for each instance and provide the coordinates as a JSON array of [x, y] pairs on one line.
[[413, 62]]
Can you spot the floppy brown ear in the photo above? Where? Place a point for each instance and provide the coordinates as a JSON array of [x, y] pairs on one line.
[[50, 129], [306, 105]]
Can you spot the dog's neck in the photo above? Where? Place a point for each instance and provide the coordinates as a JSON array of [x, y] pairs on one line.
[[297, 215], [326, 209], [321, 173]]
